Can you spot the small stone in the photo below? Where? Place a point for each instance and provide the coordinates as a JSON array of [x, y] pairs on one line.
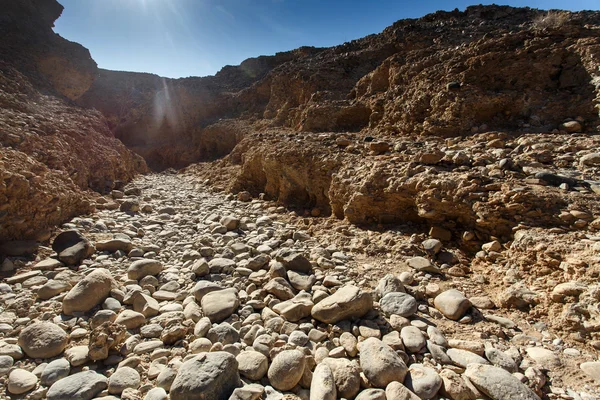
[[423, 381], [322, 386], [546, 359], [77, 355], [346, 375], [413, 338], [432, 246], [210, 376], [219, 305], [462, 358], [347, 302], [571, 126], [141, 268], [54, 371], [592, 369], [252, 365], [397, 391], [131, 319], [389, 284], [422, 264], [89, 292]]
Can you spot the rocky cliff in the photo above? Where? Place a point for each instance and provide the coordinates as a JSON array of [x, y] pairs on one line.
[[53, 151]]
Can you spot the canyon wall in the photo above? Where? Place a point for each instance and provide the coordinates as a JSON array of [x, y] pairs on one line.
[[53, 152], [445, 74]]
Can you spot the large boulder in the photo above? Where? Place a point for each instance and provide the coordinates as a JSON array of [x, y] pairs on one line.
[[219, 305], [81, 386], [498, 384], [452, 303], [89, 292], [43, 340], [72, 247], [348, 302], [209, 376], [380, 363], [286, 369], [141, 268]]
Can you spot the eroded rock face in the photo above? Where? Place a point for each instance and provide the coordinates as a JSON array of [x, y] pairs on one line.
[[52, 151], [27, 25]]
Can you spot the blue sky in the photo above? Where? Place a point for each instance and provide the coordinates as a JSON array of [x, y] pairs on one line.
[[179, 38]]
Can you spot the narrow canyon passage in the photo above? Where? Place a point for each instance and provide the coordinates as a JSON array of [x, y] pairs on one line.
[[181, 271]]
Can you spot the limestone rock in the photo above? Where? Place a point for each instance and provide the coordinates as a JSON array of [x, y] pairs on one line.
[[380, 363], [141, 268], [21, 381], [347, 302], [497, 383], [43, 340], [286, 369], [452, 303], [322, 386], [208, 376], [219, 305], [80, 386], [398, 303], [89, 292]]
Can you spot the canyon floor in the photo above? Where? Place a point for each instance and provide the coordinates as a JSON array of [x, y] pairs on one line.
[[287, 306], [410, 215]]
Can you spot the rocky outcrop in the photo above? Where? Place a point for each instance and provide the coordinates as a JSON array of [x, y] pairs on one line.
[[52, 152], [486, 183], [29, 43]]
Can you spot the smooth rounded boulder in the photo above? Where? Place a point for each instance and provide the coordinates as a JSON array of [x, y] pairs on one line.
[[380, 363], [398, 303], [141, 268], [286, 369], [208, 376], [21, 381], [80, 386], [452, 303], [348, 302], [423, 381], [322, 386], [252, 364], [43, 340], [220, 304], [123, 378], [89, 292], [497, 383]]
